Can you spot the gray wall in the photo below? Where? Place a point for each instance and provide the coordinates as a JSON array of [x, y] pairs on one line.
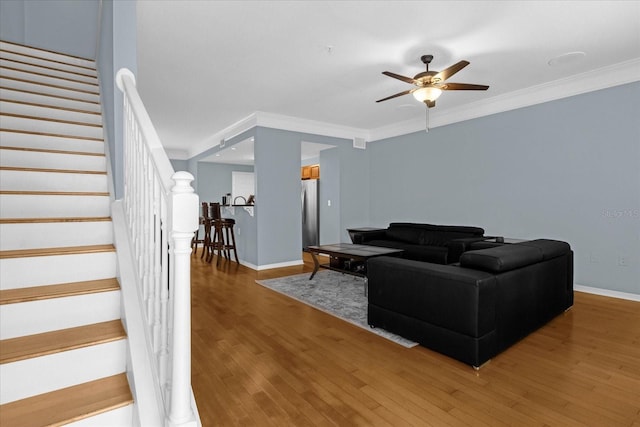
[[179, 165], [106, 76], [567, 169], [67, 26], [117, 50], [278, 209], [214, 179]]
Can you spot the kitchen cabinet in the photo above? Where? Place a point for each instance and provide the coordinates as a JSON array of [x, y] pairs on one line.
[[310, 172]]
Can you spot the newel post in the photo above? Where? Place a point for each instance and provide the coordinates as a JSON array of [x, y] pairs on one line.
[[184, 222]]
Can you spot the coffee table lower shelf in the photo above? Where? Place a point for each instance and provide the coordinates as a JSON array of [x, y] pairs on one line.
[[348, 258]]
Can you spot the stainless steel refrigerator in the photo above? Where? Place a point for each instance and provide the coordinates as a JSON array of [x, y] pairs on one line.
[[310, 213]]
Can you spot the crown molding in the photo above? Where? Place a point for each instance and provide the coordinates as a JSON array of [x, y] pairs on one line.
[[295, 124], [175, 154], [278, 121], [601, 78], [227, 133]]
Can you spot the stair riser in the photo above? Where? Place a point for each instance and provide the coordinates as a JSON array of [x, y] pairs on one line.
[[55, 235], [51, 270], [52, 181], [36, 317], [37, 159], [47, 126], [35, 206], [14, 139], [118, 417], [36, 78], [16, 95], [48, 71], [39, 375], [34, 87], [50, 56], [50, 113]]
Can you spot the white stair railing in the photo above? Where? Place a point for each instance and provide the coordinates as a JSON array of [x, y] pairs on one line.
[[161, 215]]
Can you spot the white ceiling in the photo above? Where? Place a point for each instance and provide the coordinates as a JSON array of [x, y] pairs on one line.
[[209, 69]]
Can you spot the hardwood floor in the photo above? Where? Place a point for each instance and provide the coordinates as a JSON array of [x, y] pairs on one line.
[[260, 358]]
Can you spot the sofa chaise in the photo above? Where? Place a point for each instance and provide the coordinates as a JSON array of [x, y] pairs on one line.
[[474, 309]]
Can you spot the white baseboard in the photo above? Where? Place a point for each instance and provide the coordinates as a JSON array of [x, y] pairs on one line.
[[606, 292], [270, 266]]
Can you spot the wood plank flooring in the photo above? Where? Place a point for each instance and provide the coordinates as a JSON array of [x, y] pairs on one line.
[[260, 358]]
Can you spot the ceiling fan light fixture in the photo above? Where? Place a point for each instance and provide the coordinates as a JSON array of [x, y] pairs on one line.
[[428, 93]]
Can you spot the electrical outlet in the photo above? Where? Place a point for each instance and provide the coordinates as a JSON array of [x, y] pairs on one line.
[[622, 261], [329, 203], [238, 231], [593, 259]]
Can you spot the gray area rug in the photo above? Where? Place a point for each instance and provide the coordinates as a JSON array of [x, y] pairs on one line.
[[340, 295]]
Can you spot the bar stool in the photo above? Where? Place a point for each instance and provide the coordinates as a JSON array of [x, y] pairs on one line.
[[224, 239], [206, 217], [196, 240]]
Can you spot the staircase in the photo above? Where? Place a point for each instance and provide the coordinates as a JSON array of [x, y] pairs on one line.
[[63, 348]]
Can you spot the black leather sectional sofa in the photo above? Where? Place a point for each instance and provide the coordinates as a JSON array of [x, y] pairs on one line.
[[441, 244], [473, 309]]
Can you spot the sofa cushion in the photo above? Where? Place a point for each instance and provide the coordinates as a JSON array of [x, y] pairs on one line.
[[437, 254], [501, 258], [465, 230], [548, 248], [442, 238], [405, 234]]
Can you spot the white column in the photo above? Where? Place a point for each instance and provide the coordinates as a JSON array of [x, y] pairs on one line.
[[184, 222]]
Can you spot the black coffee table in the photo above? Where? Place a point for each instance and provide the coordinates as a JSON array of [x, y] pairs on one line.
[[347, 257]]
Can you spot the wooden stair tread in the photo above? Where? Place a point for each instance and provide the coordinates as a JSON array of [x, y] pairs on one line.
[[54, 135], [36, 73], [69, 404], [48, 150], [37, 345], [69, 250], [53, 193], [81, 172], [32, 48], [15, 61], [37, 293], [68, 98], [51, 107], [47, 220], [48, 119], [71, 89]]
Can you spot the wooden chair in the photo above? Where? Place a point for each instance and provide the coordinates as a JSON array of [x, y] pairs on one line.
[[224, 239], [196, 240], [206, 221]]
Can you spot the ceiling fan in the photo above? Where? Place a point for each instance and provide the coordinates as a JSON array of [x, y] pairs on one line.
[[430, 84]]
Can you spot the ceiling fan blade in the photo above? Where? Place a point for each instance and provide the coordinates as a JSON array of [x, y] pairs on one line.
[[399, 77], [406, 92], [463, 86], [448, 72]]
